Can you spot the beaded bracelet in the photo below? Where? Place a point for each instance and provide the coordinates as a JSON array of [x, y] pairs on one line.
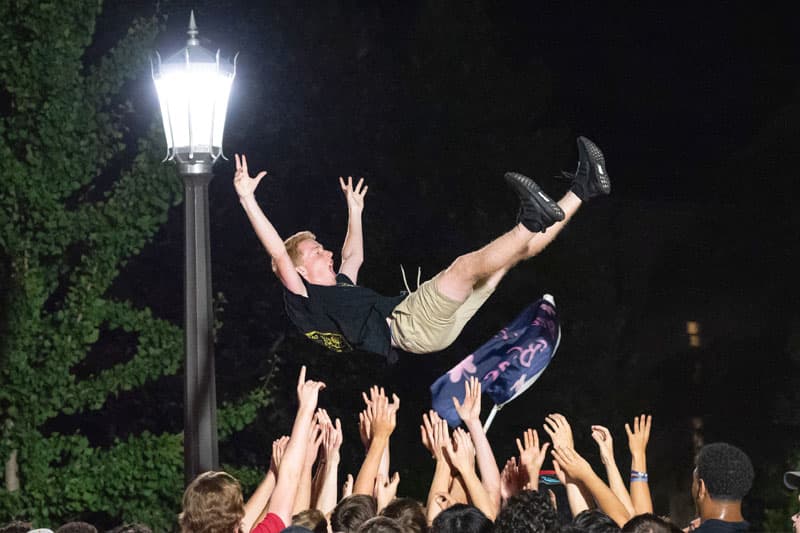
[[638, 476]]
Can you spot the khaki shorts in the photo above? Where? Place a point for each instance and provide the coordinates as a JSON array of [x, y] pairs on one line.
[[428, 321]]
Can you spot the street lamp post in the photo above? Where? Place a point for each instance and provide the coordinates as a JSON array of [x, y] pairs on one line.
[[193, 88]]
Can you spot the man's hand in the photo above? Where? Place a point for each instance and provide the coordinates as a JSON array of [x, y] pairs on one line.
[[512, 479], [470, 410], [638, 437], [462, 457], [531, 455], [385, 416], [386, 489], [242, 182], [354, 197], [439, 437], [347, 486], [332, 440], [312, 447], [560, 432], [308, 391], [573, 465], [430, 421], [602, 436], [278, 447]]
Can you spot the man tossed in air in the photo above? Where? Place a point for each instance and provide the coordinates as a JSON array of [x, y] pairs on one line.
[[331, 309]]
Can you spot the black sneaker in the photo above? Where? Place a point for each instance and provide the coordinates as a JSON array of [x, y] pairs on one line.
[[537, 211], [590, 178]]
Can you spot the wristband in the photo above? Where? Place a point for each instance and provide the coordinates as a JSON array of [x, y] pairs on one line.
[[638, 476]]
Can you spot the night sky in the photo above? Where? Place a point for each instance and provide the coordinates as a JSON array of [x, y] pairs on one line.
[[696, 108]]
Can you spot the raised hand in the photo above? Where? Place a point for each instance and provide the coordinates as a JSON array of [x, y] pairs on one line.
[[314, 441], [470, 409], [347, 486], [640, 435], [242, 182], [560, 432], [462, 456], [511, 479], [386, 489], [332, 440], [385, 416], [531, 455], [354, 197], [602, 436], [572, 464], [308, 391], [278, 447], [440, 438]]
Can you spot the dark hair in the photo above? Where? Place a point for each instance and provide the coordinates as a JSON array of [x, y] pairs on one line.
[[528, 511], [461, 518], [726, 471], [649, 523], [381, 524], [595, 521], [311, 519], [353, 511], [409, 512]]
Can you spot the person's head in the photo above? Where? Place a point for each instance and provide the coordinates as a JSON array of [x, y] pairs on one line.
[[529, 511], [212, 502], [723, 474], [351, 512], [461, 518], [312, 519], [595, 521], [310, 258], [409, 512], [649, 523], [381, 524]]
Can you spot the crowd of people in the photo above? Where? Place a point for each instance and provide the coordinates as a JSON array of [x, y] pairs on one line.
[[468, 491]]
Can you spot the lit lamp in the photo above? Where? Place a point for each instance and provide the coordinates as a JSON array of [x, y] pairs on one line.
[[193, 88]]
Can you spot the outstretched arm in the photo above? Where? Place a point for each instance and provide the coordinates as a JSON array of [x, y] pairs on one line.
[[266, 232], [605, 442], [353, 248], [637, 441], [289, 471], [470, 412], [578, 468]]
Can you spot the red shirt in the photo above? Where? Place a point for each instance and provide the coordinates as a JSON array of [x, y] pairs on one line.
[[272, 523]]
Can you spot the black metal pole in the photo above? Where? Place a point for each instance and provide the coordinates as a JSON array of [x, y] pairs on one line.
[[200, 406]]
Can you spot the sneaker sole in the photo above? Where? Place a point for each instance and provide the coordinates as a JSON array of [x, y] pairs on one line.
[[598, 163], [548, 206]]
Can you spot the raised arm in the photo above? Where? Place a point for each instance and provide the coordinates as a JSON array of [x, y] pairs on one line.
[[462, 457], [602, 436], [289, 471], [266, 232], [353, 248], [470, 412], [637, 441], [578, 468], [325, 499], [384, 421], [531, 457], [256, 505]]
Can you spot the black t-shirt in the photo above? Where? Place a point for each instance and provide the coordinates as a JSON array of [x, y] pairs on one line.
[[720, 526], [343, 317]]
